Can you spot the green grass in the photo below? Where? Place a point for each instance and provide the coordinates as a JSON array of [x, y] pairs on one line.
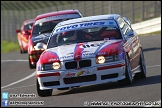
[[9, 47]]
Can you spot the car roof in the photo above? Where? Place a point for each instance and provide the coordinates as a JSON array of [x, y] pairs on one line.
[[71, 11], [89, 18], [29, 21]]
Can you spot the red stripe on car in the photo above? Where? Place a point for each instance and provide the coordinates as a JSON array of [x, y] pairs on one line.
[[49, 74]]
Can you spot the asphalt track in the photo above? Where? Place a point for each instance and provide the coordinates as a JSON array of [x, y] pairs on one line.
[[18, 78]]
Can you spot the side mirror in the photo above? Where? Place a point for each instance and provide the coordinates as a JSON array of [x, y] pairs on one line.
[[127, 20], [17, 31]]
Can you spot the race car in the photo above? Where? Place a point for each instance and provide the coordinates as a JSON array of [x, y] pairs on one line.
[[88, 51], [42, 27], [23, 35]]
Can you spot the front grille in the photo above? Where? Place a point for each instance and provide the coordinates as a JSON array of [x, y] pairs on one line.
[[80, 79], [82, 64], [71, 65]]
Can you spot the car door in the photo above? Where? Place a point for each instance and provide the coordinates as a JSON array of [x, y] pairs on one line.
[[131, 42]]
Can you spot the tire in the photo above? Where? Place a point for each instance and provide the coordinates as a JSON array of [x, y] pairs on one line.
[[128, 74], [43, 93], [25, 51], [21, 52], [21, 48], [30, 65], [142, 74]]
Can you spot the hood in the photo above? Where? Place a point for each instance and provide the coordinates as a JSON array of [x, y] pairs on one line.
[[81, 50], [41, 38]]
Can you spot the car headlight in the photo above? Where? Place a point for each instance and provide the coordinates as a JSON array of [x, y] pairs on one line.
[[55, 65], [100, 59]]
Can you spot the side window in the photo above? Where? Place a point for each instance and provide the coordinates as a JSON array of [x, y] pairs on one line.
[[124, 26]]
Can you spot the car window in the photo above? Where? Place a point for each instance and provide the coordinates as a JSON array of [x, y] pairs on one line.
[[28, 26], [124, 26]]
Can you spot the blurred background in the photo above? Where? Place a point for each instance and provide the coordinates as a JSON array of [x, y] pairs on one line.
[[13, 13]]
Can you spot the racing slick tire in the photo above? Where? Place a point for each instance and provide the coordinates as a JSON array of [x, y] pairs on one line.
[[43, 93], [30, 65], [128, 73], [142, 74]]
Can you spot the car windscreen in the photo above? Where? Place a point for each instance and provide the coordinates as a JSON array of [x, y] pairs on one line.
[[85, 31], [28, 26], [84, 35], [44, 27], [47, 24]]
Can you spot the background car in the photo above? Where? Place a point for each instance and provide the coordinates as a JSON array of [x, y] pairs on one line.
[[42, 28], [23, 35], [90, 50]]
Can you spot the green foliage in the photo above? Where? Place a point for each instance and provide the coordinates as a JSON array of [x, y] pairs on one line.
[[9, 46]]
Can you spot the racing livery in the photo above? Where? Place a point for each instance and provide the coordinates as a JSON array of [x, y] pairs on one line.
[[23, 35], [90, 50], [42, 27]]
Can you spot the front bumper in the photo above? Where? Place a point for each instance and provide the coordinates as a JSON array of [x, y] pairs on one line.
[[85, 76]]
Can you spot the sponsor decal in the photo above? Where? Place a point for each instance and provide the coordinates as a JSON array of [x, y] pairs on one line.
[[96, 23], [91, 45], [53, 59], [82, 72], [70, 74], [77, 74]]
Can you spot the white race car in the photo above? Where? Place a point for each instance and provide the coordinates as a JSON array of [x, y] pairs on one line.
[[90, 50]]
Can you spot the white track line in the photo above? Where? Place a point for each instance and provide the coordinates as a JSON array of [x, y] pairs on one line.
[[13, 60], [19, 87], [153, 66], [33, 74]]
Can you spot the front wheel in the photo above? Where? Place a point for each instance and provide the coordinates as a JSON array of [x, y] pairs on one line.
[[142, 74], [128, 73], [43, 93]]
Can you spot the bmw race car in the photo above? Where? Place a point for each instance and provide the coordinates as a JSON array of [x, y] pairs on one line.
[[42, 27], [23, 35], [90, 50]]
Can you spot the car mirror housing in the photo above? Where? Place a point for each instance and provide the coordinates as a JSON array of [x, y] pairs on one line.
[[17, 31]]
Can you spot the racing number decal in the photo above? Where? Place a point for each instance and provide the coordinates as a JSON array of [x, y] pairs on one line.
[[90, 45]]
